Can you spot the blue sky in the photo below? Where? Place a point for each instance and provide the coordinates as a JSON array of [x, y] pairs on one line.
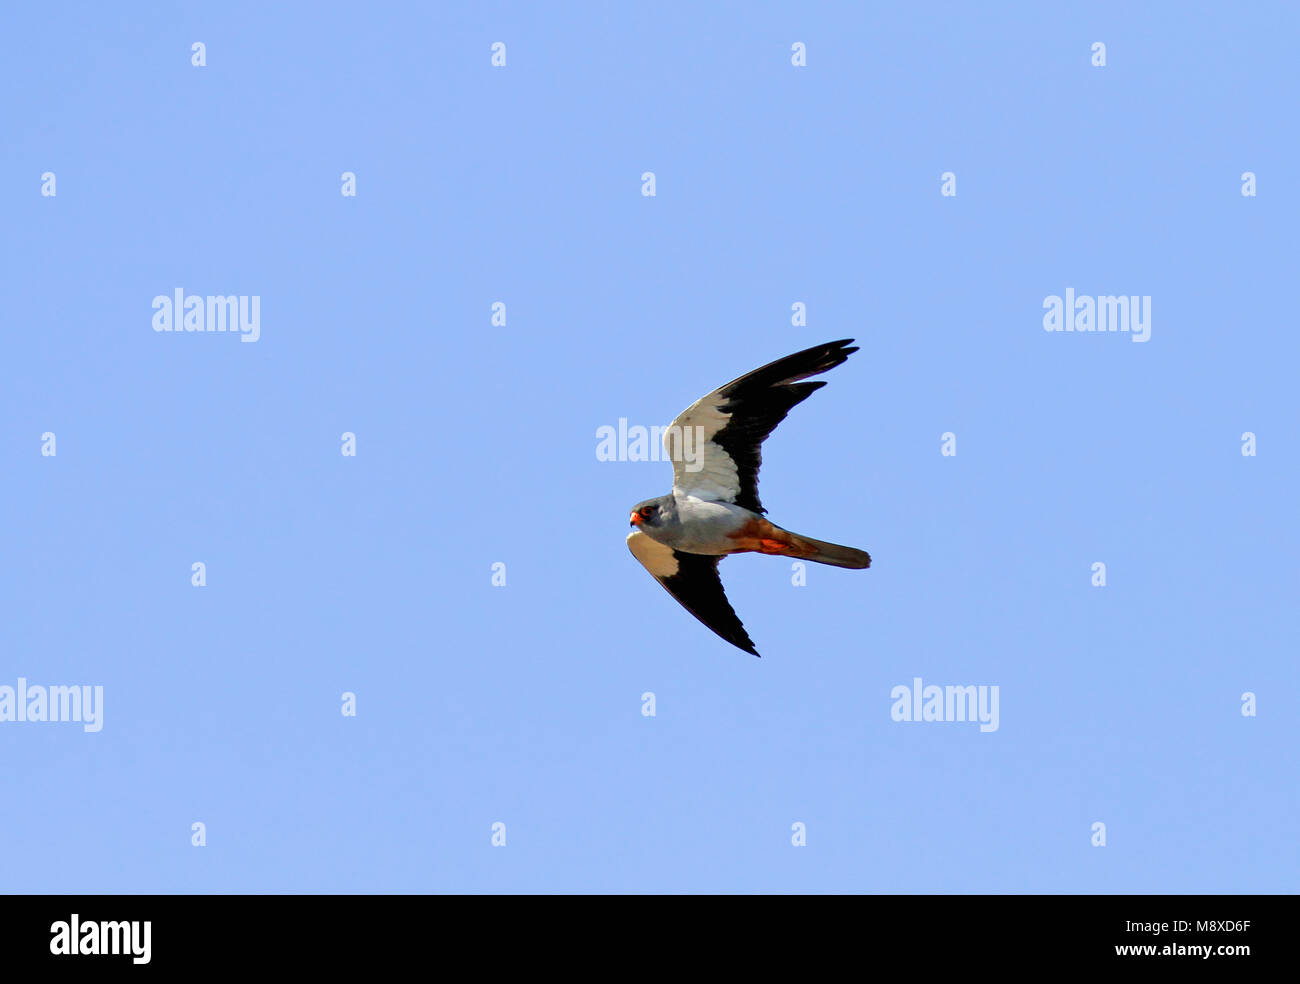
[[475, 445]]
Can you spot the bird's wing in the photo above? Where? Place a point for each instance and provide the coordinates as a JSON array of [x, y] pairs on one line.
[[715, 443], [693, 580]]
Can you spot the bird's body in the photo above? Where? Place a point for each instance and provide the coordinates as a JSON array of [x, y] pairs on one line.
[[696, 525], [714, 509]]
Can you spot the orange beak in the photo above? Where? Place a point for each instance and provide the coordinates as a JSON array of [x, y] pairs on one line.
[[636, 518]]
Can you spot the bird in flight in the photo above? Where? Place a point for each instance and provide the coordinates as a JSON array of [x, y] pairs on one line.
[[713, 509]]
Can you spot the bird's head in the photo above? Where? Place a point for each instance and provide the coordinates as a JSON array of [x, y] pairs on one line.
[[651, 512]]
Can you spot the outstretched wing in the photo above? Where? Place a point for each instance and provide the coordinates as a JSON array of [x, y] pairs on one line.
[[693, 580], [719, 461]]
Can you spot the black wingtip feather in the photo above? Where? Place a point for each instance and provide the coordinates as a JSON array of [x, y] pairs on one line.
[[809, 362], [760, 400]]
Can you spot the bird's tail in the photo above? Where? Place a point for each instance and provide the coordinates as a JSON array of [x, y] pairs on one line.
[[806, 548]]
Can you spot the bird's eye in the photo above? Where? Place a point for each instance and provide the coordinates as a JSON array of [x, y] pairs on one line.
[[647, 511]]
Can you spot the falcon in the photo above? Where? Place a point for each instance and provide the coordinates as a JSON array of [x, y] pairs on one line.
[[714, 510]]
